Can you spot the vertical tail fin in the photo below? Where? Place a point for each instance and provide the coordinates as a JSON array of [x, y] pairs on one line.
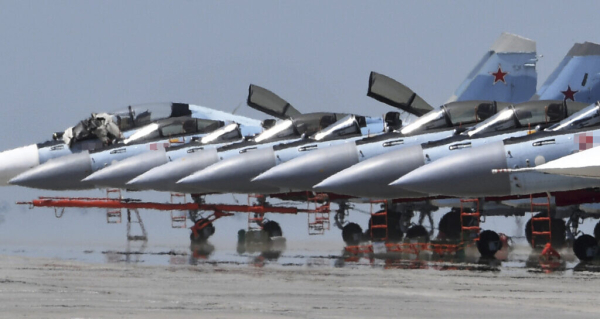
[[506, 73], [577, 76]]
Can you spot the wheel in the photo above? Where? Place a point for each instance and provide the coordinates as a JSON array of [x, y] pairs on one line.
[[394, 232], [585, 247], [559, 229], [272, 229], [597, 231], [489, 243], [450, 225], [419, 233], [204, 233], [352, 234]]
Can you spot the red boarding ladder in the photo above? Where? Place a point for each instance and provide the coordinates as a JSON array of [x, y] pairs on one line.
[[541, 220], [472, 229], [178, 217], [318, 218], [113, 215], [383, 213], [255, 220]]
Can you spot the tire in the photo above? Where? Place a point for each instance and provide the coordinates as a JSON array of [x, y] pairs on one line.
[[394, 232], [585, 247], [450, 225], [352, 234], [489, 243], [272, 228], [204, 233], [597, 231], [559, 229], [418, 232]]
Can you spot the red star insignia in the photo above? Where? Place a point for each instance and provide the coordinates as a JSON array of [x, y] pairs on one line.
[[499, 75], [569, 94]]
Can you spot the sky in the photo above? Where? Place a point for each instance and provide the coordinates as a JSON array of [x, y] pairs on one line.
[[62, 60]]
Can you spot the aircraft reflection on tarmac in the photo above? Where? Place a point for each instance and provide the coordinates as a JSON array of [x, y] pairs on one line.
[[204, 253]]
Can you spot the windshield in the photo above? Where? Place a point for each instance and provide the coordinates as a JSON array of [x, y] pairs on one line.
[[226, 133], [282, 129], [503, 120], [147, 132], [344, 127], [139, 115], [587, 117], [432, 120]]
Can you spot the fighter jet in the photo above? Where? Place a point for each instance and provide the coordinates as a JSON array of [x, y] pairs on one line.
[[101, 130], [370, 178], [512, 51], [67, 172], [467, 169], [219, 176], [196, 154]]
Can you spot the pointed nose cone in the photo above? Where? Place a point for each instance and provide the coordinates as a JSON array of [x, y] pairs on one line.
[[164, 178], [303, 172], [463, 174], [16, 161], [235, 174], [370, 178], [118, 174], [63, 173]]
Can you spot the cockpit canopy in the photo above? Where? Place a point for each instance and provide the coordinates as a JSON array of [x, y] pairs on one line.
[[139, 115], [108, 127], [527, 114], [226, 133], [587, 117], [453, 114], [348, 126], [304, 124], [172, 128]]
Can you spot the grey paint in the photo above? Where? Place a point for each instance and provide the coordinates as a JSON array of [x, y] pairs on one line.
[[165, 177], [116, 176], [443, 177], [234, 174], [69, 170], [371, 178], [301, 173]]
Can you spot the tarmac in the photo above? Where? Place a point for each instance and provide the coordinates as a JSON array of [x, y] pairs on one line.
[[56, 288]]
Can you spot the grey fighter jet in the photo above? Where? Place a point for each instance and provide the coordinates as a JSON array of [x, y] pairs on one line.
[[509, 52], [470, 172], [370, 178], [236, 175], [101, 130]]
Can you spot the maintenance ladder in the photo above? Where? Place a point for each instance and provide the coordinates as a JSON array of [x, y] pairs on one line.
[[318, 218], [384, 214], [540, 220], [471, 230], [178, 217], [256, 220], [113, 215]]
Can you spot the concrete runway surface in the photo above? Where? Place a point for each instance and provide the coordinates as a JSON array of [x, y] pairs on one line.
[[54, 288]]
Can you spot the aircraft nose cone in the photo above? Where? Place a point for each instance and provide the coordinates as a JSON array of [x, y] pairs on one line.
[[118, 174], [234, 175], [303, 172], [370, 178], [464, 174], [165, 177], [63, 173], [16, 161]]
